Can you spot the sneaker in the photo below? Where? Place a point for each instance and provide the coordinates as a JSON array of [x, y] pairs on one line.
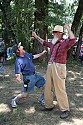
[[41, 100], [65, 114], [47, 109], [13, 103]]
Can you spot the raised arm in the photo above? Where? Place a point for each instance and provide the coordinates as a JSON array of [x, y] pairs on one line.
[[37, 37], [40, 54], [71, 35]]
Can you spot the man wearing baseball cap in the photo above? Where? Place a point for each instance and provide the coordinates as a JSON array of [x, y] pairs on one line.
[[25, 66], [56, 70]]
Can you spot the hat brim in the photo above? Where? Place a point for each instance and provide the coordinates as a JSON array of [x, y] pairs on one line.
[[15, 47], [57, 31], [19, 44]]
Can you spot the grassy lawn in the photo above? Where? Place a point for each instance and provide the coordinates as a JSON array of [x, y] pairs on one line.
[[28, 110]]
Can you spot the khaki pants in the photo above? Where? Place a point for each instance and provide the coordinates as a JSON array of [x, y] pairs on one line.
[[55, 77]]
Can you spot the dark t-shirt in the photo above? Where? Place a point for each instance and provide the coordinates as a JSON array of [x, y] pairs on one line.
[[24, 64]]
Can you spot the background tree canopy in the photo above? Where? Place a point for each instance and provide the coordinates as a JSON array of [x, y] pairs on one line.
[[20, 17]]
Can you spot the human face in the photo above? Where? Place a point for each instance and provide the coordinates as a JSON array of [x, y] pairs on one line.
[[58, 34], [21, 50]]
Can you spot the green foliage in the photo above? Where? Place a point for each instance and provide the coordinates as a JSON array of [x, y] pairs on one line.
[[21, 16]]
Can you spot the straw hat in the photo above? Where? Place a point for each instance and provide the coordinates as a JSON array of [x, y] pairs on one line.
[[58, 28]]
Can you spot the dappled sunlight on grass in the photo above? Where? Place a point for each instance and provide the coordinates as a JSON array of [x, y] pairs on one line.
[[75, 122], [30, 110], [6, 75], [78, 94], [17, 91], [35, 123], [73, 75], [81, 85], [3, 75], [78, 121], [71, 79], [80, 109], [4, 108], [73, 104], [65, 123], [2, 87], [78, 73]]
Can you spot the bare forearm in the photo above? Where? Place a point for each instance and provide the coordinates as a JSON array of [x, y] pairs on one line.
[[37, 55], [71, 34], [40, 39], [40, 54], [37, 37]]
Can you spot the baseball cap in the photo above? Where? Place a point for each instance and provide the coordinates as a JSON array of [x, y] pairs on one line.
[[15, 47]]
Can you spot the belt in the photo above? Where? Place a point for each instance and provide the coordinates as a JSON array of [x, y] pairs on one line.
[[29, 74], [50, 62]]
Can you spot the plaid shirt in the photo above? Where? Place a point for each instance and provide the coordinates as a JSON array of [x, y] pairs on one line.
[[58, 52]]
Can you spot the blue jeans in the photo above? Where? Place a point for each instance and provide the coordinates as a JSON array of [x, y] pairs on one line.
[[30, 81]]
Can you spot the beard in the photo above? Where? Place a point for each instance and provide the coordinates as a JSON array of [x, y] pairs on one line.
[[54, 40]]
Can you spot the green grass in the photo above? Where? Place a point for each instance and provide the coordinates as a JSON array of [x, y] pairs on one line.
[[28, 110]]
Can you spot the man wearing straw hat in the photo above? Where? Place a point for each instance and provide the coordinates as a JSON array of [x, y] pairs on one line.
[[56, 70]]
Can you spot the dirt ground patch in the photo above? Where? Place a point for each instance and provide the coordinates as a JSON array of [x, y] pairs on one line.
[[28, 111]]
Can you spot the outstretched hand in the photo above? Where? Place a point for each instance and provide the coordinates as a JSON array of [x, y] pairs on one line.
[[44, 52], [66, 26], [34, 35], [71, 34]]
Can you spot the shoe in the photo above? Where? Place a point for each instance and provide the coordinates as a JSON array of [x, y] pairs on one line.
[[41, 100], [65, 114], [13, 103], [47, 109]]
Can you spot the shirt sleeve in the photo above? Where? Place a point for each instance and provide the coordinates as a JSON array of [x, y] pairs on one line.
[[68, 43], [17, 67], [47, 44], [31, 56]]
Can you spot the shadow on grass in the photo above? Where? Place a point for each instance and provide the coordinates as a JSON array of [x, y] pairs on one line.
[[28, 111]]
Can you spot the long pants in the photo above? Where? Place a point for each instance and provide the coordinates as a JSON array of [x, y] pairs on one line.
[[55, 79]]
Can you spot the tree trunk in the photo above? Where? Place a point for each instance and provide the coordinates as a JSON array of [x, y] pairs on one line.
[[40, 26], [79, 42], [77, 17], [8, 25], [76, 21]]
